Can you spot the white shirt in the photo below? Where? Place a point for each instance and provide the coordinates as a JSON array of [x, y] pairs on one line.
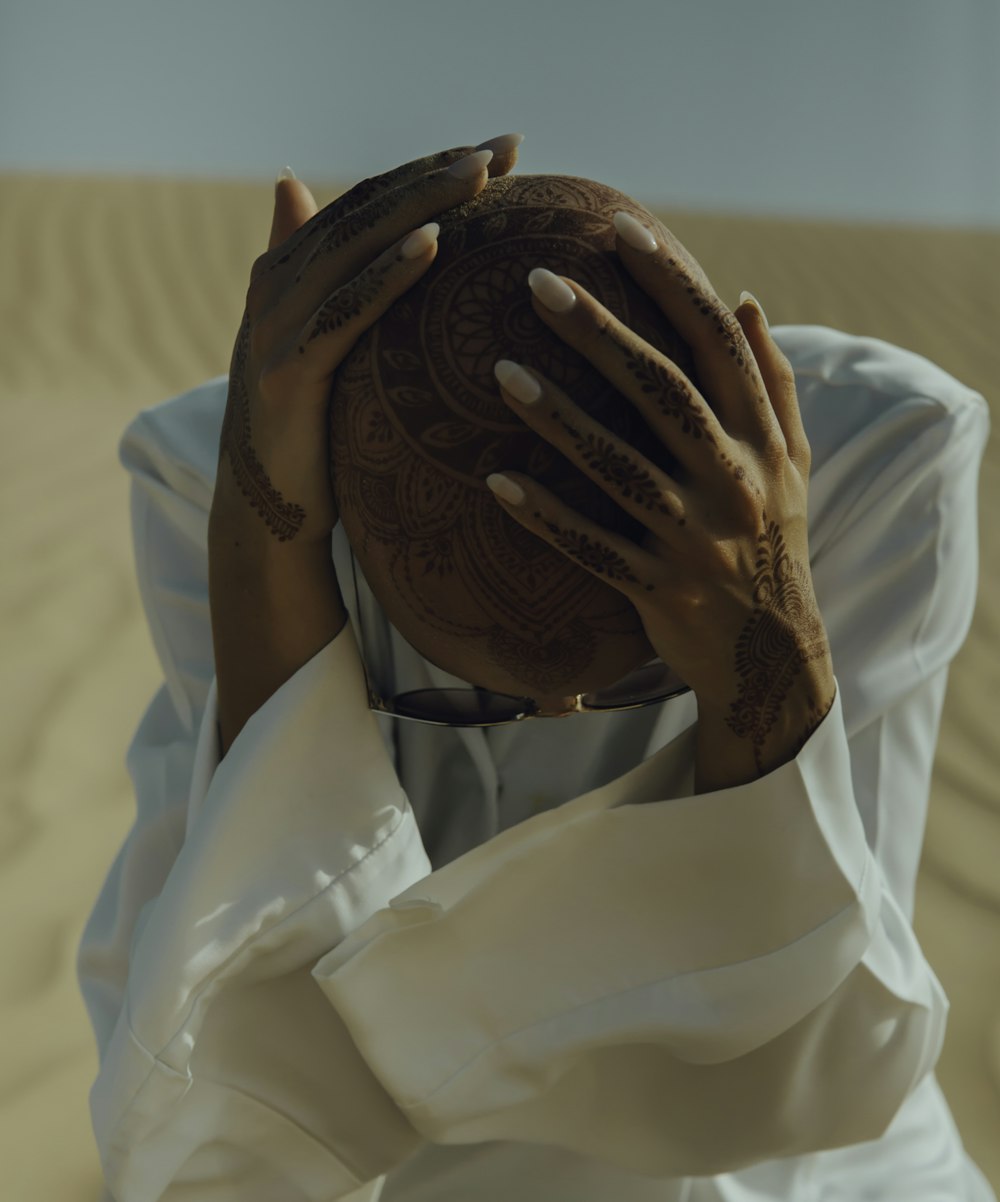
[[364, 958]]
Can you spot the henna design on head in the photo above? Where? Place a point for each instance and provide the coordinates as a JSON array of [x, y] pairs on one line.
[[559, 658], [417, 423], [781, 636], [283, 518]]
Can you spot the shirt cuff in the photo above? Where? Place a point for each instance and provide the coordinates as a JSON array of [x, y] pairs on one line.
[[708, 924], [298, 835]]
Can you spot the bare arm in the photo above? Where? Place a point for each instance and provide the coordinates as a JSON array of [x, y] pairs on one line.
[[274, 606]]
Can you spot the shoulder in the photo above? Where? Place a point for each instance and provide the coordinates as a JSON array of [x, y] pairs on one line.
[[850, 385], [879, 418]]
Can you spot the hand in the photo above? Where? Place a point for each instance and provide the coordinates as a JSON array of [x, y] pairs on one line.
[[721, 579], [325, 278]]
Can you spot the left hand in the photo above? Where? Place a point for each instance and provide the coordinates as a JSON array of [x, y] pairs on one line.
[[721, 579]]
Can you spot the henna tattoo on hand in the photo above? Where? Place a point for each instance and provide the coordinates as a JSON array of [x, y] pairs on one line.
[[617, 468], [784, 633], [703, 298], [349, 228], [283, 518], [349, 301], [357, 198], [589, 553], [670, 396]]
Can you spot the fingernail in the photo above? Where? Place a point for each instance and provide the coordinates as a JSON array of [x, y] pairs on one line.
[[749, 296], [471, 165], [554, 293], [504, 143], [420, 240], [504, 487], [515, 380], [285, 173], [634, 233]]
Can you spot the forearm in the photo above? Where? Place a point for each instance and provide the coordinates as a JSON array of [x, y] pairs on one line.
[[273, 607]]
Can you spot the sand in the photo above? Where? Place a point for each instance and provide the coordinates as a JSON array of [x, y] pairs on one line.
[[121, 292]]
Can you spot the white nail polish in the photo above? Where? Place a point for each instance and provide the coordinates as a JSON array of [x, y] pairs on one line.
[[472, 165], [504, 487], [634, 233], [553, 292], [749, 296], [420, 241], [515, 380]]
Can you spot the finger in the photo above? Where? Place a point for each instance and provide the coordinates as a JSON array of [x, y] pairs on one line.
[[667, 400], [294, 205], [611, 558], [312, 358], [504, 159], [779, 380], [365, 233], [639, 487], [726, 368]]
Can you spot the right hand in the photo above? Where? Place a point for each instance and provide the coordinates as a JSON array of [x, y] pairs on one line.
[[324, 279]]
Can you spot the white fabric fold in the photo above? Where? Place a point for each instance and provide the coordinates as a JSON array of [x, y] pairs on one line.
[[356, 958]]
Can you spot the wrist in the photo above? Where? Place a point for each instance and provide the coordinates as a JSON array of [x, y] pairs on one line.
[[235, 528], [752, 736], [273, 607], [246, 509]]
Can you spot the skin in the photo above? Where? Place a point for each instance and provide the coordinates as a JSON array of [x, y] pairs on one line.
[[721, 577]]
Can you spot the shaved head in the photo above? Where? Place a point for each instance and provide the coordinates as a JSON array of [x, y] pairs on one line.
[[418, 423]]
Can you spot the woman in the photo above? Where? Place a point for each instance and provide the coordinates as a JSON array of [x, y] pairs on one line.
[[659, 952]]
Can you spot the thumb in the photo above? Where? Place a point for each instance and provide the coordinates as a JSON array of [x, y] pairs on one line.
[[294, 205]]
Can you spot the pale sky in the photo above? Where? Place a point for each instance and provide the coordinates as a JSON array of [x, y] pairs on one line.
[[885, 110]]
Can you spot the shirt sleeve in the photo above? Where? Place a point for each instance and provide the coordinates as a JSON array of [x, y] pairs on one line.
[[691, 985], [680, 985]]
